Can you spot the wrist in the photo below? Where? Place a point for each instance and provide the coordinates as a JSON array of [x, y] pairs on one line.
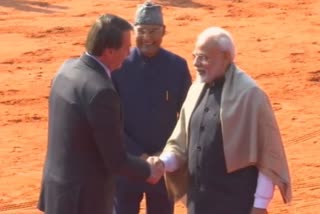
[[144, 156], [258, 211]]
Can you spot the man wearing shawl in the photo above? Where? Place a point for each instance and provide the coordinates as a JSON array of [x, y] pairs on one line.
[[226, 152]]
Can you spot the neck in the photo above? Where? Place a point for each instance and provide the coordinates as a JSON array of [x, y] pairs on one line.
[[219, 79], [149, 56], [106, 63]]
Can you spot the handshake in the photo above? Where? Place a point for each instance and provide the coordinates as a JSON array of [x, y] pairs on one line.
[[157, 169]]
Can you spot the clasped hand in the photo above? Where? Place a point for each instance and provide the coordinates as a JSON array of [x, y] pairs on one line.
[[156, 168]]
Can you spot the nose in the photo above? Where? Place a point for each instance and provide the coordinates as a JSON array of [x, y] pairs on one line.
[[196, 61], [146, 36]]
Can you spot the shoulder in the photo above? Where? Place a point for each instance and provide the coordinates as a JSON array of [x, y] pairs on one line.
[[251, 88], [98, 93], [175, 58], [89, 81], [242, 81], [175, 64], [104, 96], [240, 85]]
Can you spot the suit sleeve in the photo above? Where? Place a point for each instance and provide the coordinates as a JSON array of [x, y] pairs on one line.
[[105, 120], [132, 146]]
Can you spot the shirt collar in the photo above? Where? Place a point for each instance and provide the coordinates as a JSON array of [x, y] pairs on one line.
[[103, 65], [155, 58]]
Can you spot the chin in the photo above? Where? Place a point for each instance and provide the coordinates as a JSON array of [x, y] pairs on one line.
[[202, 79]]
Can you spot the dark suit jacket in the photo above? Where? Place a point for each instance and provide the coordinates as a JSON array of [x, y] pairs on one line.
[[85, 148]]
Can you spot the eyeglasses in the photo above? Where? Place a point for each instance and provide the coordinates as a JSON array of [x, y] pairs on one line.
[[148, 31], [201, 57]]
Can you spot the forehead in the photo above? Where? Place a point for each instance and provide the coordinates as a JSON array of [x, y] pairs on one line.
[[202, 48], [205, 47], [148, 27]]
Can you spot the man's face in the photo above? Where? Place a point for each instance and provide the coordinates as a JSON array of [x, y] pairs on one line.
[[209, 61], [119, 55], [149, 38]]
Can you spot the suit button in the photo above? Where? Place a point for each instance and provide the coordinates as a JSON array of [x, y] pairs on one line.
[[206, 109], [201, 128], [199, 148], [198, 167]]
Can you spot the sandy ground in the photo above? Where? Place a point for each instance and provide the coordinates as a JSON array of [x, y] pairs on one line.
[[277, 41]]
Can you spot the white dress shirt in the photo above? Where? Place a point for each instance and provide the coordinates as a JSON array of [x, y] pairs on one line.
[[264, 191]]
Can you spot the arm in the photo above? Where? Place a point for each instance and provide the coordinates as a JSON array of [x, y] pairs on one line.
[[273, 161], [177, 181], [134, 148], [177, 142], [263, 195], [105, 121]]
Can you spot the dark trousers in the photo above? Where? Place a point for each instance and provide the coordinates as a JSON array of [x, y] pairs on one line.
[[129, 194]]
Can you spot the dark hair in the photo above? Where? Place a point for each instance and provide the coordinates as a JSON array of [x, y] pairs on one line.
[[106, 32]]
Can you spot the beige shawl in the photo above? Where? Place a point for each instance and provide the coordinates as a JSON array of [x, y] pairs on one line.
[[250, 134]]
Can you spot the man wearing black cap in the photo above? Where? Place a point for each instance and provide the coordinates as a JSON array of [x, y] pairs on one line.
[[152, 84]]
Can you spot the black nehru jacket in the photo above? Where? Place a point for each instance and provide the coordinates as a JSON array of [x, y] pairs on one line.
[[212, 189]]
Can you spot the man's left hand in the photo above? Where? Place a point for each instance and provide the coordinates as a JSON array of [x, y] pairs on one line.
[[258, 211]]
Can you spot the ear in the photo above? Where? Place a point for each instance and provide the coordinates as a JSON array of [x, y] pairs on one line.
[[164, 30], [227, 57], [107, 53], [135, 30]]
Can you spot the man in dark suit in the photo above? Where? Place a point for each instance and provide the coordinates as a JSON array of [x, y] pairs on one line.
[[85, 148]]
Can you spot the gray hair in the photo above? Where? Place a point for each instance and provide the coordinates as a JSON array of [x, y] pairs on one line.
[[220, 37]]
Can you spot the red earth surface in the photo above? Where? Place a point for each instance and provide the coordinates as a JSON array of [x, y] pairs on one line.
[[278, 45]]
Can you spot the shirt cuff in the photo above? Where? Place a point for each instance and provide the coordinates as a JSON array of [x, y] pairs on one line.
[[170, 161], [264, 192]]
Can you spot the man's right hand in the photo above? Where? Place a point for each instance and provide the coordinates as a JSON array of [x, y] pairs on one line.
[[144, 156], [157, 169]]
